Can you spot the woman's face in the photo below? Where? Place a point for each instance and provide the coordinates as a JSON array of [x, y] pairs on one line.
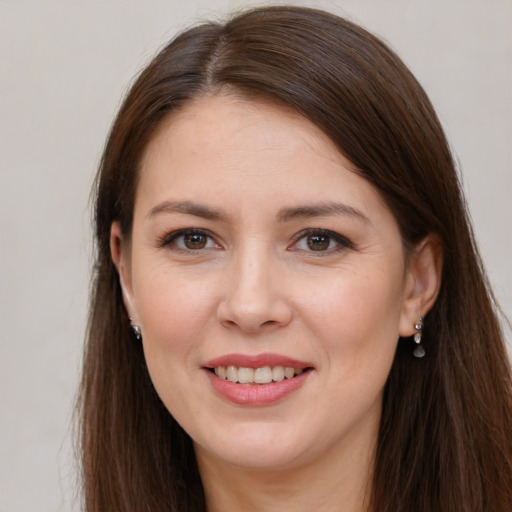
[[259, 255]]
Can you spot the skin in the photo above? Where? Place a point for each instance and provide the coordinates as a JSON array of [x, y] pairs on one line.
[[253, 285]]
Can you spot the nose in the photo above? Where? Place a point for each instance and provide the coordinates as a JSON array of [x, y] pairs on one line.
[[255, 299]]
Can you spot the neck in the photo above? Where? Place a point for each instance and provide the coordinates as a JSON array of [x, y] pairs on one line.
[[338, 482]]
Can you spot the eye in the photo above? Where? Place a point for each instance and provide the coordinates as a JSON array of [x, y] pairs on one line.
[[320, 240], [189, 240]]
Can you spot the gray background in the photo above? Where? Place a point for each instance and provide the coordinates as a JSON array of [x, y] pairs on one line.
[[64, 65]]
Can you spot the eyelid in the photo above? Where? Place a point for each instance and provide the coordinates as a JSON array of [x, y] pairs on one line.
[[168, 238], [342, 241]]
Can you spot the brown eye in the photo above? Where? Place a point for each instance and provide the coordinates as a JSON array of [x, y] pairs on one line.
[[321, 241], [195, 241], [189, 240], [318, 242]]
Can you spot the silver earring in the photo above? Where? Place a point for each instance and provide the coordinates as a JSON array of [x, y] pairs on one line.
[[136, 331], [419, 351]]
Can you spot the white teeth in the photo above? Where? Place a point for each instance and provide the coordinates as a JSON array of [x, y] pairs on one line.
[[289, 372], [232, 374], [220, 371], [278, 373], [245, 375], [263, 375]]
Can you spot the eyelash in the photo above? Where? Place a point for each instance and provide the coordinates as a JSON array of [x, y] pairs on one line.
[[175, 235], [341, 241]]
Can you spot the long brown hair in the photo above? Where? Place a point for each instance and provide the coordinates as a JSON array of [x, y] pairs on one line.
[[445, 441]]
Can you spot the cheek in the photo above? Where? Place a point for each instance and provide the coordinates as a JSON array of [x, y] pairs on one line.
[[357, 324], [358, 313], [176, 315], [171, 304]]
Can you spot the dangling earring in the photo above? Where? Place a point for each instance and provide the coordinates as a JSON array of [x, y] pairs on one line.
[[136, 331], [419, 351]]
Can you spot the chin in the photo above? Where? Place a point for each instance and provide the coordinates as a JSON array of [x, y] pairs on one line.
[[255, 448]]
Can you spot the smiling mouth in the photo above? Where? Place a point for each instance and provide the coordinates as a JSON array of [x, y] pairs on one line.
[[263, 375]]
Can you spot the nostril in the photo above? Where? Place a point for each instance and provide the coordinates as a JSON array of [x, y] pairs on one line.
[[254, 312]]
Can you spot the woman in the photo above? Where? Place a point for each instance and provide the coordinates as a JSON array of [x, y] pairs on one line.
[[289, 310]]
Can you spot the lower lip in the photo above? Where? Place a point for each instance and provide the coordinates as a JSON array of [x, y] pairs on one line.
[[256, 394]]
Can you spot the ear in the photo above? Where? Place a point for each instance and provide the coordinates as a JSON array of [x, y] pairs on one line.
[[422, 283], [120, 252]]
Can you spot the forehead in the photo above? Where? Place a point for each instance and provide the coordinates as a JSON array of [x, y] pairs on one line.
[[227, 121], [225, 145]]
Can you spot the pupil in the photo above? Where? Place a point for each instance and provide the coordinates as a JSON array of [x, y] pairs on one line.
[[318, 242], [195, 241]]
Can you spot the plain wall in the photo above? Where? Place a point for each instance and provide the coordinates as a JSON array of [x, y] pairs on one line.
[[64, 66]]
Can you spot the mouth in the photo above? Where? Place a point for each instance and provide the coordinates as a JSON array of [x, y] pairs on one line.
[[260, 375], [257, 380]]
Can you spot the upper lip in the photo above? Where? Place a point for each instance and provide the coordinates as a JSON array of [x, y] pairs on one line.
[[256, 361]]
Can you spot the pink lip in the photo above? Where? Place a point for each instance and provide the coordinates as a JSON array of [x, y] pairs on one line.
[[256, 394], [256, 361]]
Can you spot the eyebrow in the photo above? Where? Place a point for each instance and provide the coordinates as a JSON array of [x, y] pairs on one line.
[[284, 215], [186, 207], [322, 209]]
